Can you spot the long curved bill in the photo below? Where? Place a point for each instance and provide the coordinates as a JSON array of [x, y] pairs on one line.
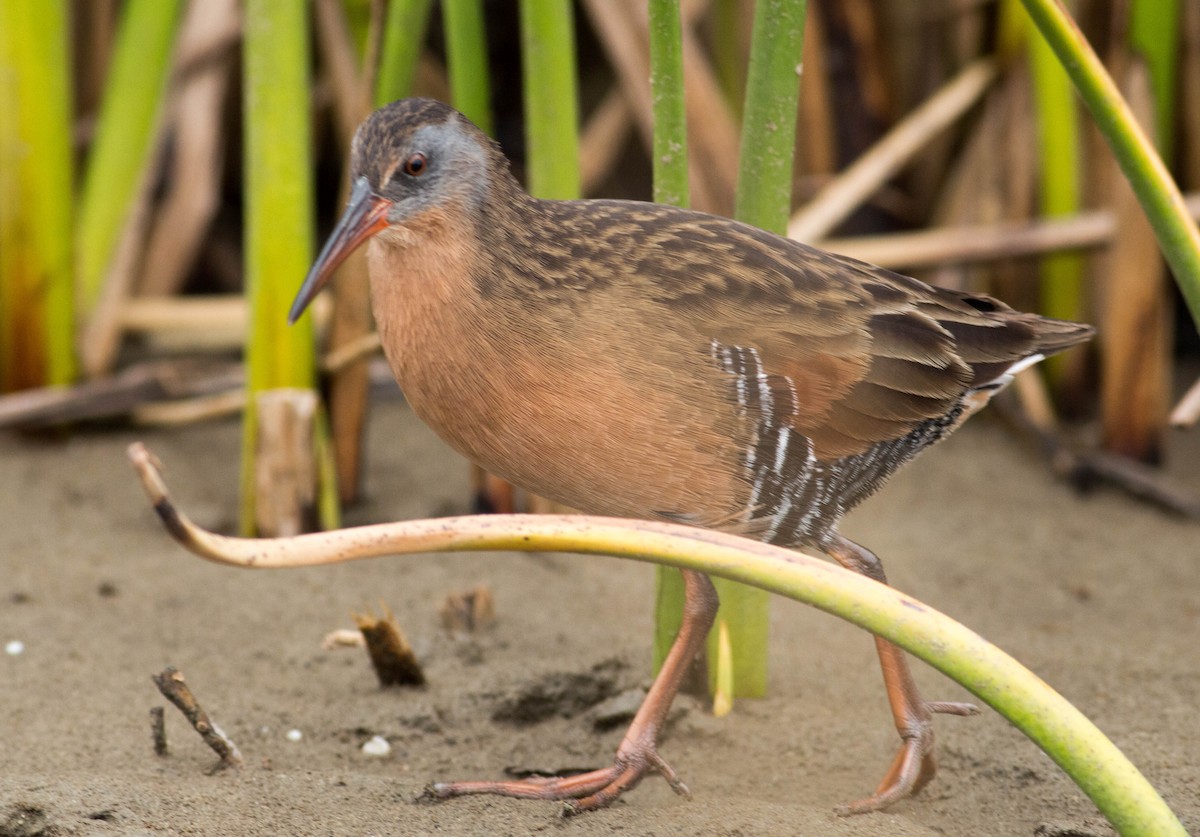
[[365, 215]]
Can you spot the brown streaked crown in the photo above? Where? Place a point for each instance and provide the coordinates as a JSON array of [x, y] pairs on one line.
[[390, 134]]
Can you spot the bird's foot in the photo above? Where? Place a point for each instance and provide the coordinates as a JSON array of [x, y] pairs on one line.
[[579, 793], [914, 765]]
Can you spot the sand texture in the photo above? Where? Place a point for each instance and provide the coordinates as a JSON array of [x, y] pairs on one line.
[[1097, 594]]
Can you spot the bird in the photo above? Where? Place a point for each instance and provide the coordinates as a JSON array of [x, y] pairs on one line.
[[640, 360]]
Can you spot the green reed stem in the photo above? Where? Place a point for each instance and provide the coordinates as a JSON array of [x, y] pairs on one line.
[[670, 186], [1151, 182], [279, 201], [403, 38], [551, 98], [1060, 157], [764, 197], [125, 135], [466, 51], [670, 114], [1154, 36], [764, 191], [37, 310]]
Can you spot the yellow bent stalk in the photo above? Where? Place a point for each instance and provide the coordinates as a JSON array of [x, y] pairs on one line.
[[1120, 792]]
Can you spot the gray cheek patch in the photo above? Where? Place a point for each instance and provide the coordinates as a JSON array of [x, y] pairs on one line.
[[461, 166]]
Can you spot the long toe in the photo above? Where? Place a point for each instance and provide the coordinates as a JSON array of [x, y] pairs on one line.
[[626, 779], [581, 792], [536, 787]]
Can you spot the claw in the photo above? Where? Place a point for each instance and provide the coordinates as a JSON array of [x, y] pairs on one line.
[[667, 772], [434, 792]]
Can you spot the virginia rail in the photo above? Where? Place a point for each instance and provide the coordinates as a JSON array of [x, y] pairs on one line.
[[639, 360]]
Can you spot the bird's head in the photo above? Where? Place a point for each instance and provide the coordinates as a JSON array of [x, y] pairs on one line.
[[409, 158]]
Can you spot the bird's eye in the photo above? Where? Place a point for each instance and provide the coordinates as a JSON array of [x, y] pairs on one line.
[[415, 164]]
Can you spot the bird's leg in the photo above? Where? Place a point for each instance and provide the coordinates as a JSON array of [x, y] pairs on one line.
[[638, 752], [914, 765]]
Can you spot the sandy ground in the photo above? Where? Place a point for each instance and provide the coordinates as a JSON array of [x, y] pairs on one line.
[[1097, 594]]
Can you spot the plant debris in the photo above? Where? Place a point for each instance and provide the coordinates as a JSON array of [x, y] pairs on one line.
[[391, 655], [469, 611], [171, 683]]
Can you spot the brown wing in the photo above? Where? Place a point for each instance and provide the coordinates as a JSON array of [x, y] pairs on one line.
[[851, 354], [865, 354]]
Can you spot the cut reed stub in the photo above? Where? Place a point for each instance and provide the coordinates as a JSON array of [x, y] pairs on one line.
[[285, 464], [469, 611], [391, 655]]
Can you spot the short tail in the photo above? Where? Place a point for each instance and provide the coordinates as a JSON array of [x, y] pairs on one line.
[[1054, 336], [1051, 337]]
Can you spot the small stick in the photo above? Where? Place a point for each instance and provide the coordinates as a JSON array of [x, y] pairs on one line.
[[351, 352], [343, 638], [1135, 478], [861, 179], [171, 683], [158, 729], [135, 386], [183, 411]]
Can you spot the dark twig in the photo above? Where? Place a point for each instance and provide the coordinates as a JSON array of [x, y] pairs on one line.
[[170, 682], [1089, 469], [1133, 477], [107, 398], [158, 729]]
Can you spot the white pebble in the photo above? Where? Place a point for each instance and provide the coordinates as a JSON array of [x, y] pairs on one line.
[[377, 746], [14, 648], [294, 735]]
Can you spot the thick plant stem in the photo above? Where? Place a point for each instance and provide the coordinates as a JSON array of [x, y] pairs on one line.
[[764, 195], [764, 190], [403, 36], [466, 51], [1101, 770], [37, 311], [279, 225], [666, 92], [551, 98], [670, 165], [1060, 159], [125, 133]]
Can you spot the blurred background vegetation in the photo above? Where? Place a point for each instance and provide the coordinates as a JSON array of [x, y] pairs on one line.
[[167, 166]]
